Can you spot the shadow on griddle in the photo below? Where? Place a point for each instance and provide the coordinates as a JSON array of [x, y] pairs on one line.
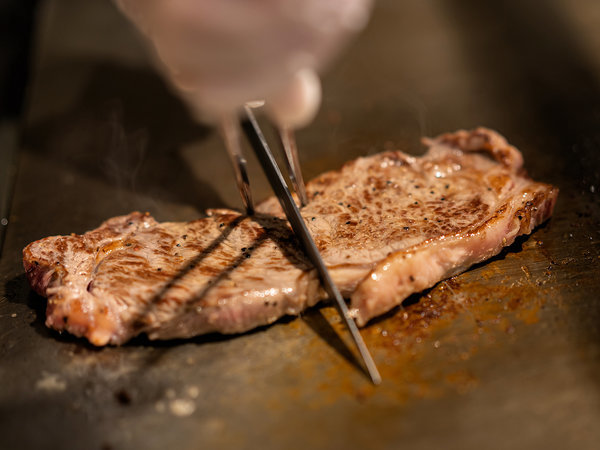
[[317, 322], [406, 303], [143, 340], [17, 290]]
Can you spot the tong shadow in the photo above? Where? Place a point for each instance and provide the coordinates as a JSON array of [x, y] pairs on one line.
[[314, 318], [285, 244], [140, 321]]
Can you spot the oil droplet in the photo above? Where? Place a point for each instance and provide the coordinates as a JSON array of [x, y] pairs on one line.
[[182, 407]]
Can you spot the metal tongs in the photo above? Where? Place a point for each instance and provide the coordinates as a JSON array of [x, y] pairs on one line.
[[259, 144]]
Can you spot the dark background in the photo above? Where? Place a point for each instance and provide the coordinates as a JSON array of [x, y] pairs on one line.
[[506, 355]]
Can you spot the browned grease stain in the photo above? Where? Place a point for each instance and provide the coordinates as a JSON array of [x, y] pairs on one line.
[[422, 349]]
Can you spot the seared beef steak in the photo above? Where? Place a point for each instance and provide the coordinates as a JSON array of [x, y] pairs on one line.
[[225, 273], [387, 225]]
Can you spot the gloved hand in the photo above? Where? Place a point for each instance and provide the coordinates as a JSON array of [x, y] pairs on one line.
[[220, 54]]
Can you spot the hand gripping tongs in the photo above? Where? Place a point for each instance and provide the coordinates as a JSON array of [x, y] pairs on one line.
[[263, 153]]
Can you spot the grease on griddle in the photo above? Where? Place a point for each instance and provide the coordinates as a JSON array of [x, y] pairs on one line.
[[423, 348]]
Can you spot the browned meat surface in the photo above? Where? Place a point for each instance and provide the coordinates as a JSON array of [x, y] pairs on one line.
[[225, 273], [387, 225]]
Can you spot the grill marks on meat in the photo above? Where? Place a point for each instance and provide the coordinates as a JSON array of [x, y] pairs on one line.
[[387, 226]]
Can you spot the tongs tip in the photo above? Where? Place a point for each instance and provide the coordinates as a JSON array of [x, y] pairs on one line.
[[231, 137], [267, 161]]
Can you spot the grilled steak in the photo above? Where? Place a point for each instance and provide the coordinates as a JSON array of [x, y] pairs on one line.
[[387, 226]]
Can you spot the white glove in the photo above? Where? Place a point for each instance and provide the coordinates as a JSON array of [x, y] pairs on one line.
[[220, 54]]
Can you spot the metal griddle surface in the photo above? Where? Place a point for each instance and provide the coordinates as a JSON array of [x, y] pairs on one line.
[[506, 355]]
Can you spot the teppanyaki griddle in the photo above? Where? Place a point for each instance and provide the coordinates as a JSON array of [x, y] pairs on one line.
[[503, 356]]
